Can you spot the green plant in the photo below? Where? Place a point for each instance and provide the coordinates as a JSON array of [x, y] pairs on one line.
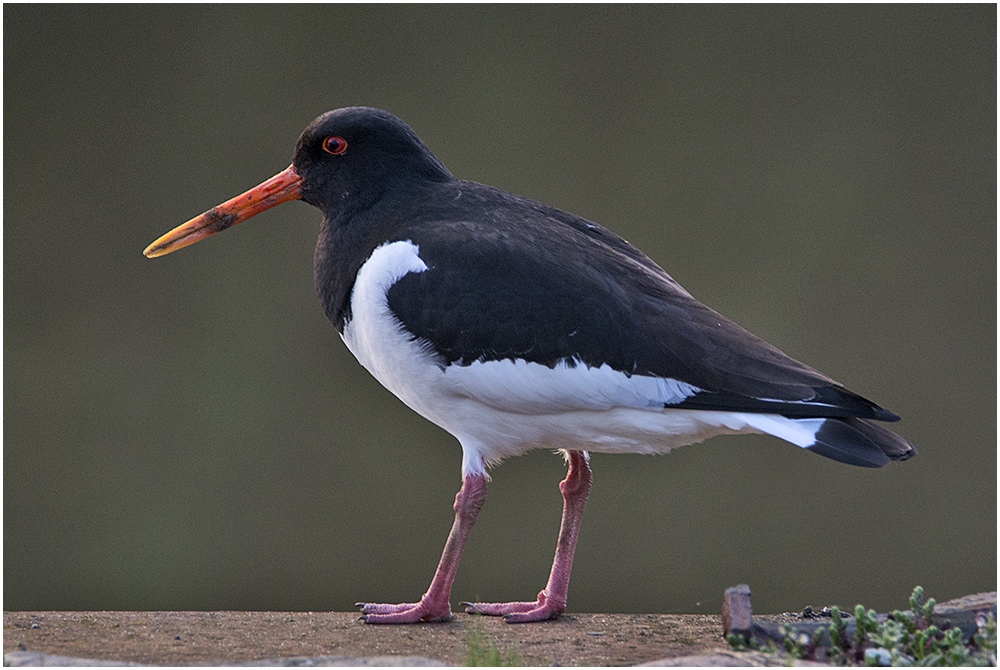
[[801, 645], [902, 638], [840, 645], [483, 651], [912, 639], [740, 643]]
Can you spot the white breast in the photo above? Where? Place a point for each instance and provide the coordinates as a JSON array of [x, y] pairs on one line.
[[376, 337]]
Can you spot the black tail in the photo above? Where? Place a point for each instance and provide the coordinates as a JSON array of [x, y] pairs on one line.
[[859, 442]]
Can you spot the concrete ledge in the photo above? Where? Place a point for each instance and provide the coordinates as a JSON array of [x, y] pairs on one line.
[[332, 638]]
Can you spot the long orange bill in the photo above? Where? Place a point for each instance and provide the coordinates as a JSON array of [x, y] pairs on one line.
[[282, 187]]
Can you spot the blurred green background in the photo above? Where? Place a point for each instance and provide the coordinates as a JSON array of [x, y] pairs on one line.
[[191, 433]]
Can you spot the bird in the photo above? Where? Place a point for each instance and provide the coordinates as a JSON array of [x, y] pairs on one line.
[[514, 325]]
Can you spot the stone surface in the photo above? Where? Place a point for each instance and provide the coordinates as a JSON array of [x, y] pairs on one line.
[[20, 659], [300, 638], [294, 639], [737, 615]]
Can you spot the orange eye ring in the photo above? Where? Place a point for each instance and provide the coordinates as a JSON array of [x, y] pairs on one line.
[[335, 144]]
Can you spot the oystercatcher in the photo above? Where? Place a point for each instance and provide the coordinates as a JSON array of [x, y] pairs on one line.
[[514, 325]]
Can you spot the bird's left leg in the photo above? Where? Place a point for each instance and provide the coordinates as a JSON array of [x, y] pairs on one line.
[[552, 599]]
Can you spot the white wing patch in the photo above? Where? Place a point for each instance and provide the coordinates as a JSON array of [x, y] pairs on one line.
[[800, 432], [532, 388]]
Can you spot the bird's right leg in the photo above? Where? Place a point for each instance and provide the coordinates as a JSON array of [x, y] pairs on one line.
[[435, 605], [551, 601]]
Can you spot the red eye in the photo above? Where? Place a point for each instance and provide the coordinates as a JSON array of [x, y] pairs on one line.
[[335, 144]]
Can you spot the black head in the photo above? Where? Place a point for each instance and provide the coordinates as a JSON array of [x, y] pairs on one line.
[[345, 162], [350, 157]]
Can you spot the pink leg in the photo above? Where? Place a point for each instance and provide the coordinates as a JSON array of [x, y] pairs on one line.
[[435, 605], [552, 599]]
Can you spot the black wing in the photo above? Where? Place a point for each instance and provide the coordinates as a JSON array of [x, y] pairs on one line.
[[525, 281]]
